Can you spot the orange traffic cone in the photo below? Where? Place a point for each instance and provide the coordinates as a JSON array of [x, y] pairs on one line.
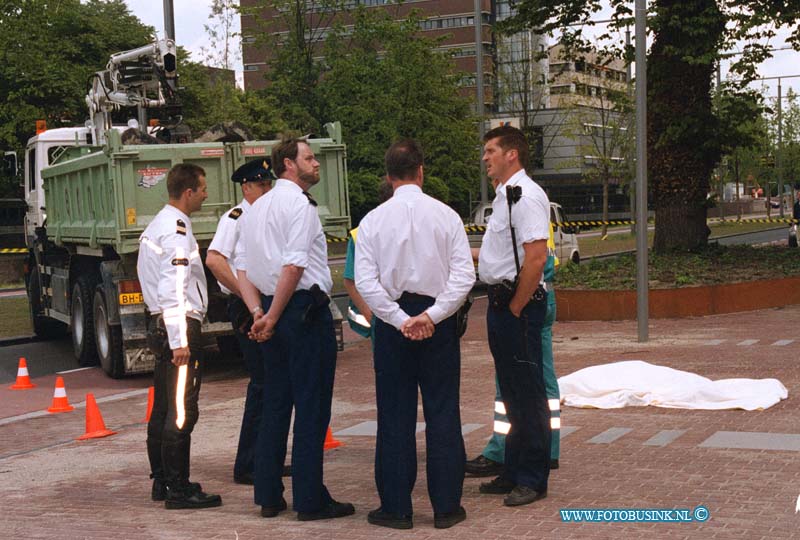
[[330, 442], [60, 403], [95, 427], [151, 393], [23, 380]]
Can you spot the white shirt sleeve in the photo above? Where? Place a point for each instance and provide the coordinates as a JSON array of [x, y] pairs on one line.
[[302, 230], [461, 278], [240, 250], [224, 241], [531, 220], [368, 281], [172, 286]]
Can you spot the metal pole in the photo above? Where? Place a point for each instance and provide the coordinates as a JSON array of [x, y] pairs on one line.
[[479, 105], [169, 20], [631, 165], [642, 313], [778, 157], [719, 167]]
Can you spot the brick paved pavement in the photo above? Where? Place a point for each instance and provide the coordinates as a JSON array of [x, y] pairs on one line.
[[54, 487]]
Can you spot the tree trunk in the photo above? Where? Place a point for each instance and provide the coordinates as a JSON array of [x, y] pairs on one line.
[[738, 201], [682, 142], [605, 204]]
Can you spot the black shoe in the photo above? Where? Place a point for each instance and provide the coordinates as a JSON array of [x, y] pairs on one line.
[[287, 470], [448, 519], [523, 495], [272, 511], [246, 479], [498, 486], [553, 464], [393, 521], [482, 466], [333, 510], [190, 497], [159, 491]]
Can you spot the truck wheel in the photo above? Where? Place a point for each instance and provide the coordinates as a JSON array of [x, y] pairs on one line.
[[43, 327], [108, 338], [82, 321]]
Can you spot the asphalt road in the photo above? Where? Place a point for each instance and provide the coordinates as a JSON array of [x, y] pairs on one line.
[[760, 237], [44, 358], [47, 357]]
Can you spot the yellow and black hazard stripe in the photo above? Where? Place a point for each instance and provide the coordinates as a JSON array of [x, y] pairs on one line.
[[334, 239], [13, 250], [760, 220], [596, 223]]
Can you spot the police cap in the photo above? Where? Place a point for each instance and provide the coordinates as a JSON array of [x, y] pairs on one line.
[[257, 170]]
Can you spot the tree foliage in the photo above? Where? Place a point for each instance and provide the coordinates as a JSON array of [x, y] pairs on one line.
[[683, 133], [210, 96], [49, 49], [292, 39], [382, 80]]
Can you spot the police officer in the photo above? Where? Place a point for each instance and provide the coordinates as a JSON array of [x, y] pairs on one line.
[[516, 314], [174, 289], [490, 461], [282, 265], [414, 270], [255, 177]]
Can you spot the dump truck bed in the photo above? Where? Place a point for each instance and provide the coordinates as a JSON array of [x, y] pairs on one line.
[[98, 197]]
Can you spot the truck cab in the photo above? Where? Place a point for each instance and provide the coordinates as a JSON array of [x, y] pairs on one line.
[[42, 150], [565, 236]]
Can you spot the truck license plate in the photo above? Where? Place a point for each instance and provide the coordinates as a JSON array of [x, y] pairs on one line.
[[126, 299]]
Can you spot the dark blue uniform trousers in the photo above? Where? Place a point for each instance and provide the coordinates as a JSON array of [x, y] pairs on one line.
[[299, 366], [253, 403], [516, 345], [433, 365]]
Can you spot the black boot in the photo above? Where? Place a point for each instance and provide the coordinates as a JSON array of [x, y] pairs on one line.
[[190, 496]]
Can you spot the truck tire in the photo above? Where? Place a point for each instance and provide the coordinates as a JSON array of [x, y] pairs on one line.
[[43, 327], [82, 320], [108, 338]]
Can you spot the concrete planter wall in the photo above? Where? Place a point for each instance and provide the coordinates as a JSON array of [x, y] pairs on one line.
[[574, 305]]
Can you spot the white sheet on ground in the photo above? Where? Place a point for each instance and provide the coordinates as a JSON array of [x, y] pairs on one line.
[[637, 384]]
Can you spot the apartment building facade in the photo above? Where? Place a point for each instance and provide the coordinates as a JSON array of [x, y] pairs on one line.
[[526, 83]]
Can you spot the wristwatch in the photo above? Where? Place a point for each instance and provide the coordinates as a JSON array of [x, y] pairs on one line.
[[257, 308]]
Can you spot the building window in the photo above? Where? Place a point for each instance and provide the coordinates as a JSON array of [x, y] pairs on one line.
[[251, 67]]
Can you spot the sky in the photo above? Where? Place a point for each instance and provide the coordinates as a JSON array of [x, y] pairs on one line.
[[191, 15]]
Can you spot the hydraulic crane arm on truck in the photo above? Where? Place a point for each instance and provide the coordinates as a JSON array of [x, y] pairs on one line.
[[146, 78]]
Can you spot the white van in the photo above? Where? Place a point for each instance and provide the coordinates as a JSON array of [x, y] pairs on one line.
[[566, 237]]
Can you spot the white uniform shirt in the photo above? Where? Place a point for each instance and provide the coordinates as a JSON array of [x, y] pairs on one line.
[[283, 228], [413, 243], [227, 235], [531, 220], [171, 273]]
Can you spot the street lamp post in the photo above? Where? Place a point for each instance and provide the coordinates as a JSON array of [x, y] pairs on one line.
[[642, 312]]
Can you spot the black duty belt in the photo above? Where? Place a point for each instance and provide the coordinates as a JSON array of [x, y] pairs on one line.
[[415, 298]]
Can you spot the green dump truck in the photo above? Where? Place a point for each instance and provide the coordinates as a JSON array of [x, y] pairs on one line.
[[88, 205]]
